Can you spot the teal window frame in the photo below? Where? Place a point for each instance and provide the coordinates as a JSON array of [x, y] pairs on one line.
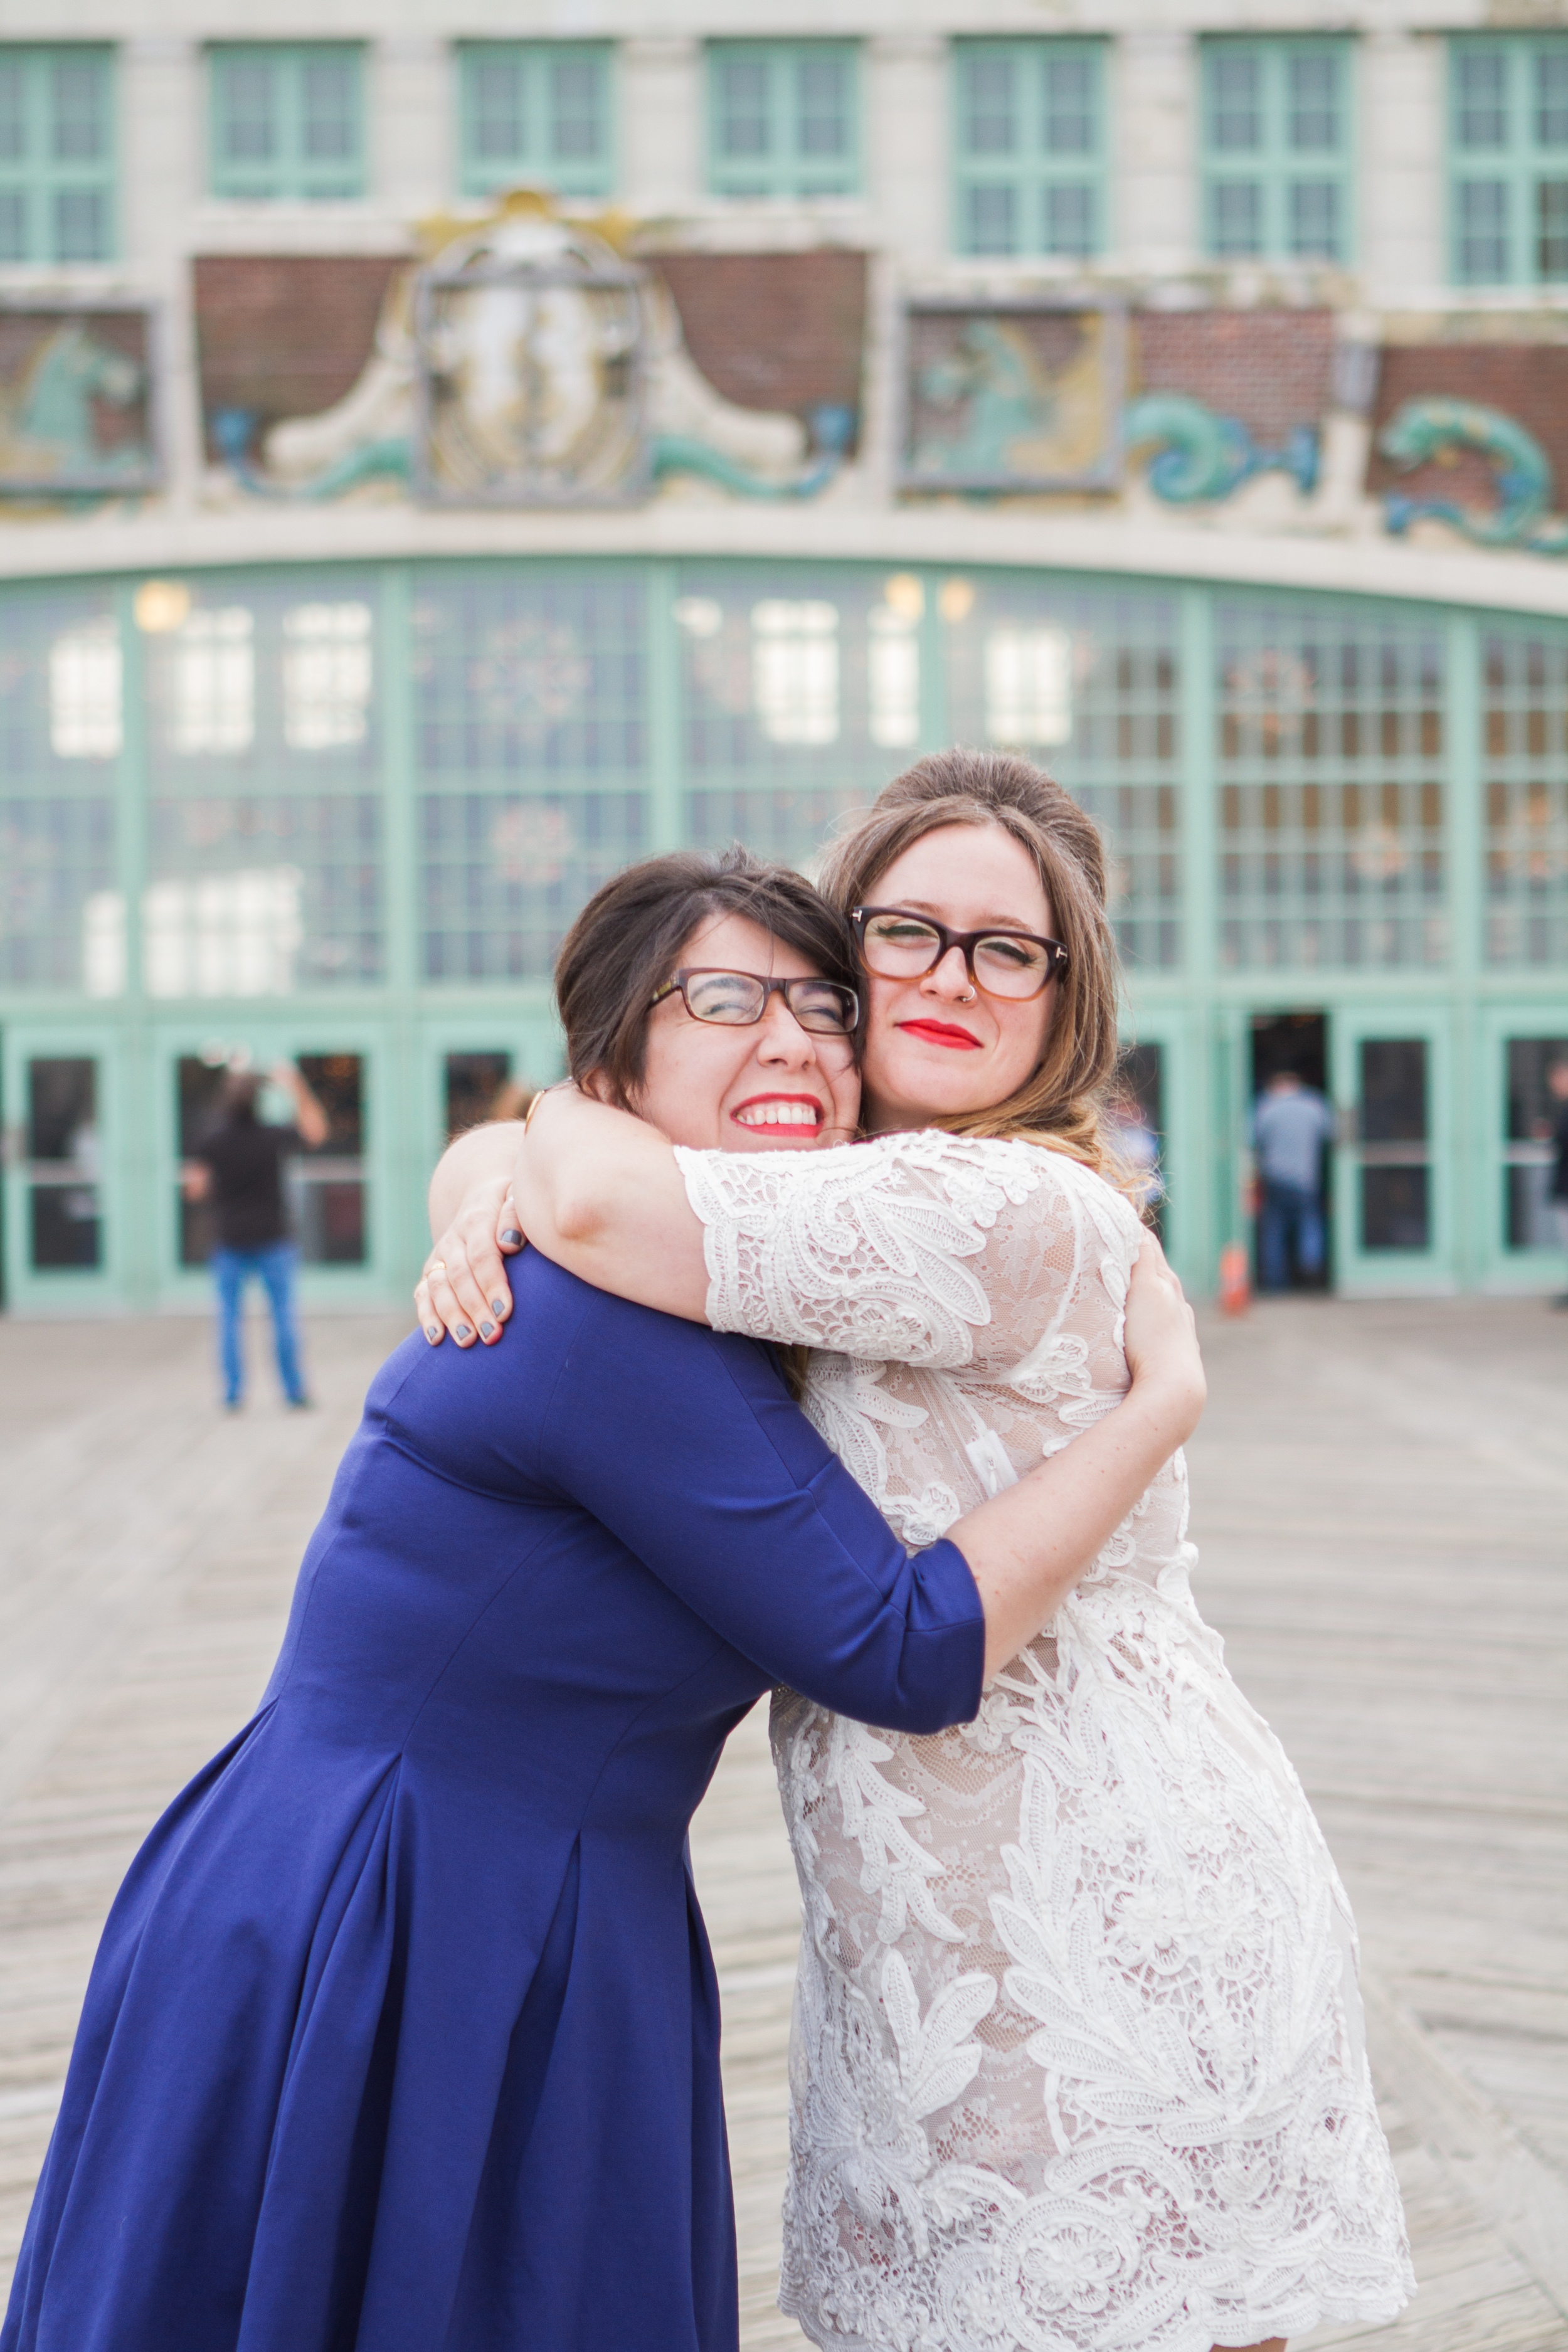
[[58, 161], [270, 90], [1275, 173], [784, 162], [1508, 159], [1030, 147], [541, 153]]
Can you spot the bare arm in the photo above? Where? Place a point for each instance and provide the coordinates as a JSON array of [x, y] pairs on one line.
[[308, 1117], [602, 1194], [1027, 1547]]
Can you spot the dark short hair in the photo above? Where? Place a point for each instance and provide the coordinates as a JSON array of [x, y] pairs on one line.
[[629, 938], [241, 1092]]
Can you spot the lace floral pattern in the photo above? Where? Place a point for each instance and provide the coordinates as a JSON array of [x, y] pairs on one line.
[[1077, 2063]]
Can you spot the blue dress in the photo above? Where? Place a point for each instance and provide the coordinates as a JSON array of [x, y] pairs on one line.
[[403, 2034]]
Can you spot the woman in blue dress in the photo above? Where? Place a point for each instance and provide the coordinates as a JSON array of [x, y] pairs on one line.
[[403, 2034]]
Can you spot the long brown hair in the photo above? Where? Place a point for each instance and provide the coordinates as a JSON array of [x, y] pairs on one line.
[[1060, 1103]]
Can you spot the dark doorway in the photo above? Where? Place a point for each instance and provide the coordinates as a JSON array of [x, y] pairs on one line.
[[472, 1083], [1296, 1042]]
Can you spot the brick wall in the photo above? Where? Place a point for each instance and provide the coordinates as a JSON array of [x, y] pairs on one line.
[[1529, 382], [1270, 369], [286, 335], [773, 329]]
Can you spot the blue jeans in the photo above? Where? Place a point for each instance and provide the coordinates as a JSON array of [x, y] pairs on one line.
[[232, 1269], [1290, 1220]]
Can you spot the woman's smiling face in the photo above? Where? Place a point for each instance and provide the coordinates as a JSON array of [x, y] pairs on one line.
[[770, 1087], [937, 1046]]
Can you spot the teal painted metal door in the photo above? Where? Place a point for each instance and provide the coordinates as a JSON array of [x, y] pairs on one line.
[[1393, 1207], [1521, 1242], [63, 1239]]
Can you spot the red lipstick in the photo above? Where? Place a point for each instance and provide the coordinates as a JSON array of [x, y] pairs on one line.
[[942, 1032]]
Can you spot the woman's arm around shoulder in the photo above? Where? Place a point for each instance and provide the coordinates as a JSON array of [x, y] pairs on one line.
[[943, 1251]]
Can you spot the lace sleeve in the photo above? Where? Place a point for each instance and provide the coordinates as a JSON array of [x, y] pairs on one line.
[[927, 1249]]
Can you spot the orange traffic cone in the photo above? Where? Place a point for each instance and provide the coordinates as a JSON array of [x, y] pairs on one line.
[[1235, 1280]]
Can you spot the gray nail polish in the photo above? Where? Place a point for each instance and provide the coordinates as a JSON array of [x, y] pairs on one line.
[[433, 1330], [497, 1305], [462, 1332], [513, 1236], [485, 1330]]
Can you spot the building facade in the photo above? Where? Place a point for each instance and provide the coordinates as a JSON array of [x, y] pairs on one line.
[[440, 461]]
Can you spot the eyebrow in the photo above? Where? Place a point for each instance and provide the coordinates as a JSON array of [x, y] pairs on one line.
[[1003, 922]]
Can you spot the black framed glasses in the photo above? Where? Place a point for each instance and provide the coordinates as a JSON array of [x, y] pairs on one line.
[[899, 945], [738, 1000]]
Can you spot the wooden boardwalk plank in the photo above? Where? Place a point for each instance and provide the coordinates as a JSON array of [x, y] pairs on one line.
[[1382, 1494]]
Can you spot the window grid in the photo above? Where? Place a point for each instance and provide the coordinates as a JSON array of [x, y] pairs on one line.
[[799, 695], [1331, 791], [1507, 111], [1029, 140], [57, 869], [56, 154], [265, 685], [502, 875], [535, 111], [288, 122], [1525, 781], [530, 704], [1087, 683], [1278, 182], [264, 893], [783, 118]]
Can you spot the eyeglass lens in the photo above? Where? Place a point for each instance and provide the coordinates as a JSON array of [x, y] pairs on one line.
[[896, 947], [737, 998]]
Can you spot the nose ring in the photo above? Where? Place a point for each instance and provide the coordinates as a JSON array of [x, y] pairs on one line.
[[968, 997]]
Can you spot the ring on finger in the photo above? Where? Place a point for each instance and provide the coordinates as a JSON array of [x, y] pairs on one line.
[[436, 1266]]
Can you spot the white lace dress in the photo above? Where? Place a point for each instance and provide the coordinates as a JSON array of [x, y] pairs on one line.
[[1078, 2061]]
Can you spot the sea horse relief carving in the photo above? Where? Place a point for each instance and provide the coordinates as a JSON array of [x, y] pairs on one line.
[[1426, 429]]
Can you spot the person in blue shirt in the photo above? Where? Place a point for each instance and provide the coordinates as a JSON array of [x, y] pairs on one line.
[[1291, 1124], [403, 2033]]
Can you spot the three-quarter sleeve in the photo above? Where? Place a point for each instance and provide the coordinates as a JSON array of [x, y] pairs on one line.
[[942, 1251], [685, 1444]]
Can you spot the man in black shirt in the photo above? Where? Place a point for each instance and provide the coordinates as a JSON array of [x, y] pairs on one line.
[[238, 1168]]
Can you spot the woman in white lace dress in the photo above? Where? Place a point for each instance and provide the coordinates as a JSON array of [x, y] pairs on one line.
[[1078, 2062]]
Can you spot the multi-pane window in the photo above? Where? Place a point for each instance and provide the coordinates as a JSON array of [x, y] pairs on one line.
[[265, 830], [530, 755], [1525, 748], [1088, 683], [1331, 788], [1277, 150], [537, 111], [799, 695], [1508, 115], [288, 122], [783, 118], [1029, 140], [56, 154], [62, 924]]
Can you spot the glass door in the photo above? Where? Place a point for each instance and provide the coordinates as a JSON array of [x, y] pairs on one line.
[[60, 1226], [330, 1187], [1393, 1181], [1528, 1089]]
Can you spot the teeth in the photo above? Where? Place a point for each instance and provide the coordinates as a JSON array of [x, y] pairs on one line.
[[780, 1114]]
